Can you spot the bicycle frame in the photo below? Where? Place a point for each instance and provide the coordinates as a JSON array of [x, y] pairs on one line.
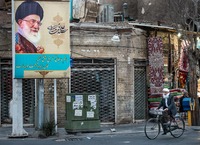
[[152, 126]]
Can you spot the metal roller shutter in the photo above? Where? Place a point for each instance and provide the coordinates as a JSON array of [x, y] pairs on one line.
[[140, 89], [28, 88], [96, 76]]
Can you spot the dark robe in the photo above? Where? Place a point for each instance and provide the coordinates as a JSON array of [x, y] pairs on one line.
[[25, 45], [171, 111], [171, 105]]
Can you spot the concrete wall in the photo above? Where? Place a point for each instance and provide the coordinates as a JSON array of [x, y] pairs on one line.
[[62, 90], [5, 36], [143, 10], [2, 3], [118, 6], [153, 11]]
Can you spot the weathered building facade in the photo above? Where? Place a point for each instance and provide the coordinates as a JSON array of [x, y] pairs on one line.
[[109, 59], [124, 63], [115, 70]]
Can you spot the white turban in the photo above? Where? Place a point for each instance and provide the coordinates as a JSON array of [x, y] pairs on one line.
[[165, 90]]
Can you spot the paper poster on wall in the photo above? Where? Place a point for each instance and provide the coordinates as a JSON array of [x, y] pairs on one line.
[[92, 98], [78, 113], [93, 101], [68, 99], [78, 98], [93, 105], [90, 114], [75, 105]]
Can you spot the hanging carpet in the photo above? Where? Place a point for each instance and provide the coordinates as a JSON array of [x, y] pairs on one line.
[[156, 64]]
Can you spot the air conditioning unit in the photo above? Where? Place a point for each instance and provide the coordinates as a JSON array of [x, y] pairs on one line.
[[106, 13]]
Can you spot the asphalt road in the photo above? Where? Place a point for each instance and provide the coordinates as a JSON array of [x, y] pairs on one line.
[[189, 137]]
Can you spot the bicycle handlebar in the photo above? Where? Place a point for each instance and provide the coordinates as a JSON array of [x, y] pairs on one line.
[[159, 112]]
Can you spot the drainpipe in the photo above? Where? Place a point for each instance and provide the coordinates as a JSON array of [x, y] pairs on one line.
[[125, 10], [55, 105], [71, 10]]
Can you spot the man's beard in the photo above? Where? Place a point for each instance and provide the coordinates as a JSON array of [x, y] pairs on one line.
[[33, 37], [166, 96]]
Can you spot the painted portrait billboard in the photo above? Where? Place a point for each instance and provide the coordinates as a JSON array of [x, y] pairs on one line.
[[42, 42]]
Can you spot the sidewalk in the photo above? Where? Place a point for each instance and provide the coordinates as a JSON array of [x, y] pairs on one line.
[[5, 132], [106, 130]]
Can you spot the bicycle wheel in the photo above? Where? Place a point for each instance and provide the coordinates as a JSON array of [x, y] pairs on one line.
[[152, 128], [177, 127]]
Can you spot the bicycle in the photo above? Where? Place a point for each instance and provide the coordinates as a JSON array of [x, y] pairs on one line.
[[176, 126]]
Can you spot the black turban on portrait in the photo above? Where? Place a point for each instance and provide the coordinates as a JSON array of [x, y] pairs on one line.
[[28, 7]]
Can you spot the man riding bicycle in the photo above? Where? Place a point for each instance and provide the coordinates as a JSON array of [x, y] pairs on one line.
[[169, 108]]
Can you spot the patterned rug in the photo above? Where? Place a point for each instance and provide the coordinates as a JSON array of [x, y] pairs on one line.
[[156, 64], [183, 64]]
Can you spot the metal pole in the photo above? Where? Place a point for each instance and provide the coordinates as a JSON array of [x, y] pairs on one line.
[[16, 110], [55, 105], [36, 103], [16, 105], [41, 103]]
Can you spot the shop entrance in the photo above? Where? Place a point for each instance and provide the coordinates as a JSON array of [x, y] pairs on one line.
[[96, 76]]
